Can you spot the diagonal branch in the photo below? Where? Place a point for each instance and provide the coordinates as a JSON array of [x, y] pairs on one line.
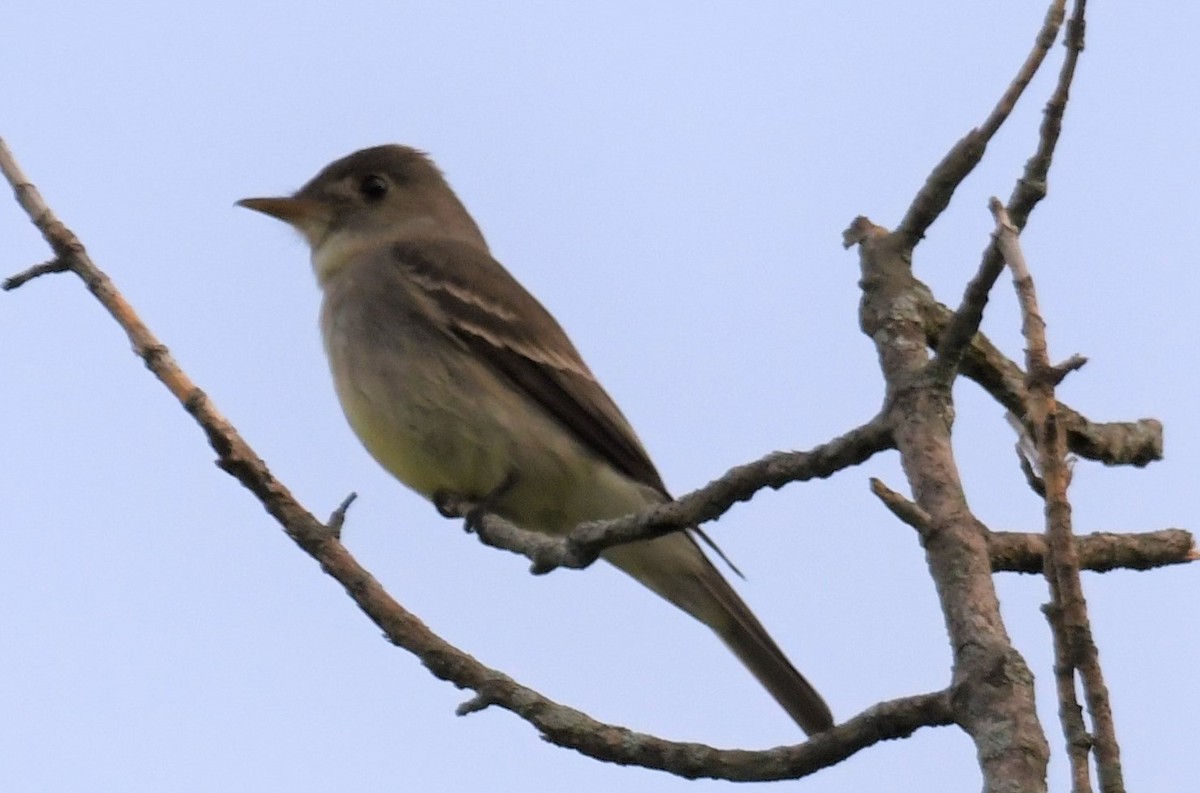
[[934, 196], [585, 543], [1029, 190]]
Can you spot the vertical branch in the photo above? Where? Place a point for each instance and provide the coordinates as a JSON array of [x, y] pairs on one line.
[[1070, 714], [1075, 647], [993, 686]]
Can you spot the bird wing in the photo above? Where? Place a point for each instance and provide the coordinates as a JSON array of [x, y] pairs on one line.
[[485, 308]]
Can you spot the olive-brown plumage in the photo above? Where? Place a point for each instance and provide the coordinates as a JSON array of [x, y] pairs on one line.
[[456, 379]]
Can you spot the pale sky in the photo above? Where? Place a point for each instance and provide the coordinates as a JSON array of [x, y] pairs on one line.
[[671, 180]]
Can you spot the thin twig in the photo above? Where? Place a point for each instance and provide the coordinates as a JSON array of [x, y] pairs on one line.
[[55, 265], [338, 516], [1074, 645], [1029, 190], [1078, 741], [901, 507], [583, 545], [933, 198], [740, 483]]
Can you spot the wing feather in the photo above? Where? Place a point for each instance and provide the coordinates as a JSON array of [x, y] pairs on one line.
[[497, 319]]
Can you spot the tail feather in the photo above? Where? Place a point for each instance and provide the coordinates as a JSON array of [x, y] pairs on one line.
[[754, 647], [675, 568]]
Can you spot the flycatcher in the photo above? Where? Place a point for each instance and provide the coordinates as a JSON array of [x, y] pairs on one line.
[[459, 382]]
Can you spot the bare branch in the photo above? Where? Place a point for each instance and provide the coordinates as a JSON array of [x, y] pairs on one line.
[[901, 507], [585, 543], [1029, 190], [740, 483], [1074, 644], [338, 517], [886, 721], [1078, 741], [1033, 326], [1016, 552], [546, 552], [52, 266], [1137, 443], [993, 684], [1100, 552], [933, 198]]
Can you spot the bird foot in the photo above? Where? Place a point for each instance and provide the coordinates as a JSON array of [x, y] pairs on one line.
[[446, 501]]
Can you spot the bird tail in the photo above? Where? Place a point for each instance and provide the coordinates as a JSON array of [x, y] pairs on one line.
[[675, 568]]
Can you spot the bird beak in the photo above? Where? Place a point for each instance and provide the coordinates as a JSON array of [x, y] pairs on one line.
[[303, 213], [311, 218]]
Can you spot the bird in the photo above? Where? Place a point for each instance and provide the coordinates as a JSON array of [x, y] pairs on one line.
[[460, 383]]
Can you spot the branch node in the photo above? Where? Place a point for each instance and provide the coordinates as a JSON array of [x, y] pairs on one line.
[[901, 507], [56, 265], [481, 701], [1059, 372], [859, 230], [338, 517]]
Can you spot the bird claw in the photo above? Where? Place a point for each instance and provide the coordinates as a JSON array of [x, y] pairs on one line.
[[473, 520], [444, 502], [447, 503]]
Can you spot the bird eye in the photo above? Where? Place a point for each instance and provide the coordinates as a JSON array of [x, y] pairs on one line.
[[373, 187]]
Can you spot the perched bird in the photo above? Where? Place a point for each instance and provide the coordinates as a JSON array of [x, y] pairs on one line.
[[459, 382]]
